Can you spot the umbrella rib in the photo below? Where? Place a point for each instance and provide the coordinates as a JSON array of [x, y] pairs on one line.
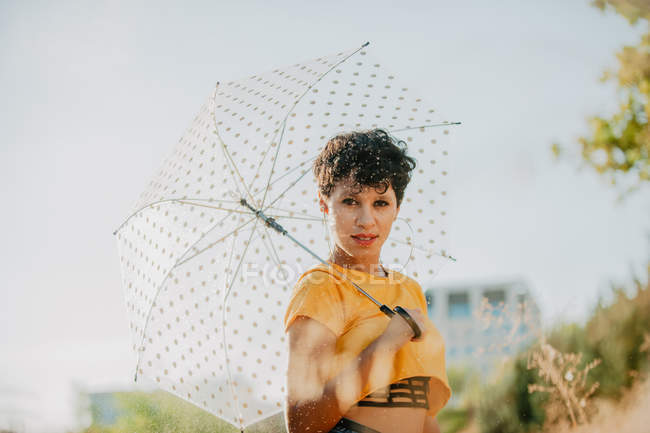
[[432, 125], [286, 189], [225, 149], [284, 122], [223, 316], [413, 246], [290, 211], [295, 218], [146, 322], [217, 208], [272, 250], [419, 248], [290, 171], [259, 166], [209, 200], [232, 253], [165, 201], [232, 163], [215, 242], [275, 158]]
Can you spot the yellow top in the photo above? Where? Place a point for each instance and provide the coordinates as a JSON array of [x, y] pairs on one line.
[[323, 295]]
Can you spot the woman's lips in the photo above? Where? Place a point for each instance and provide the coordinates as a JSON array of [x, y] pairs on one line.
[[365, 240]]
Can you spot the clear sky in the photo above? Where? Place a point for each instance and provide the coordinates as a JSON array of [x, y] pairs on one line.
[[95, 94]]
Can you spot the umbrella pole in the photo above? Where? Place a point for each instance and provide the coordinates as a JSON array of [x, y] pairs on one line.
[[272, 223]]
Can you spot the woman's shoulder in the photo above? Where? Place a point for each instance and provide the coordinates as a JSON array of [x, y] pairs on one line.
[[319, 274], [316, 280], [317, 295]]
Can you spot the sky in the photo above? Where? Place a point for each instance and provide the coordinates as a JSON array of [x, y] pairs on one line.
[[94, 96]]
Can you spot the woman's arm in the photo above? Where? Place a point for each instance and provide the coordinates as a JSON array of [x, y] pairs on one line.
[[315, 404], [431, 425]]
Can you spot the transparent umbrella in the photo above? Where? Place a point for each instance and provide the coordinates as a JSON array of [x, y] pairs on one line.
[[205, 274]]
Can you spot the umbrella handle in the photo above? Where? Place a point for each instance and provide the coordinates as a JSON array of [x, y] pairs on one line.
[[406, 316]]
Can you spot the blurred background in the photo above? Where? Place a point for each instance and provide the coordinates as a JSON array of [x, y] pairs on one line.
[[550, 201]]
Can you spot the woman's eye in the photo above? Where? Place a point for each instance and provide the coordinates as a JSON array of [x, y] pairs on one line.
[[381, 203], [349, 201]]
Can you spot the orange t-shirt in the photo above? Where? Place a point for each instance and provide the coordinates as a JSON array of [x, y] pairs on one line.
[[323, 295]]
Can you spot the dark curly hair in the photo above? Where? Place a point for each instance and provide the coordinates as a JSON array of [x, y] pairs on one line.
[[371, 158]]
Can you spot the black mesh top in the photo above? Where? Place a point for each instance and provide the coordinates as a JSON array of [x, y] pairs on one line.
[[409, 392]]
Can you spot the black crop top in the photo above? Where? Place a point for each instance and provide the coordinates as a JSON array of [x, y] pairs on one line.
[[409, 392]]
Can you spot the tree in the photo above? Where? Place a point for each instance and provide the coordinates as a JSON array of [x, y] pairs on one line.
[[619, 146]]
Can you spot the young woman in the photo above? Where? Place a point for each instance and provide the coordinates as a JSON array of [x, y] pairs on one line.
[[351, 368]]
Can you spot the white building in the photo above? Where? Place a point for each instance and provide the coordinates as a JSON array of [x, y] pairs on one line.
[[483, 322]]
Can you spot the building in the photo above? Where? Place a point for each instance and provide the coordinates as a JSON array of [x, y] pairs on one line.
[[483, 322]]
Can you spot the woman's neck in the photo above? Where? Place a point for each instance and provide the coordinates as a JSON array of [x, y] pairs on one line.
[[371, 266]]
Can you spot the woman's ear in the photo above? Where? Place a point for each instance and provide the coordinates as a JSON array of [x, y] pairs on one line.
[[323, 204]]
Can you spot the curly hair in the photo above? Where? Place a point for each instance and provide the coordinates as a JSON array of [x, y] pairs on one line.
[[371, 158]]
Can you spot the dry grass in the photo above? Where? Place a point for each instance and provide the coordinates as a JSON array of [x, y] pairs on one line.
[[566, 384], [628, 415], [570, 396]]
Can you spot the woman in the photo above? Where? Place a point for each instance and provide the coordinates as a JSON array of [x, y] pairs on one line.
[[351, 369]]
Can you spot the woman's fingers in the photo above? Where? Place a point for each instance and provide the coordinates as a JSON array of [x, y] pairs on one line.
[[399, 332], [420, 320]]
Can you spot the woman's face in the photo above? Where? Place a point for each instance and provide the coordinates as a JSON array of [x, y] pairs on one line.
[[360, 221]]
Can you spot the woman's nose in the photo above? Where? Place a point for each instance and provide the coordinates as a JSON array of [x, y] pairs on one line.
[[365, 217]]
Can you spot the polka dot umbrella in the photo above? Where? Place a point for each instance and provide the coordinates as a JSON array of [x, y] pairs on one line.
[[207, 278]]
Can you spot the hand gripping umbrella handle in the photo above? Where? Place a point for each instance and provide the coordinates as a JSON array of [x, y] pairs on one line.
[[406, 316]]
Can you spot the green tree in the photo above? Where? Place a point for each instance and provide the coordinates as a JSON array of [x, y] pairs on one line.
[[617, 333], [506, 406], [620, 145]]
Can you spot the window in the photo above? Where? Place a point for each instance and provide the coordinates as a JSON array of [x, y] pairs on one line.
[[430, 302], [458, 305], [521, 298], [496, 298]]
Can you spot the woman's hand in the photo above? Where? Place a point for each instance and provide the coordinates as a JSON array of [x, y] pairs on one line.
[[399, 332], [314, 403], [311, 404]]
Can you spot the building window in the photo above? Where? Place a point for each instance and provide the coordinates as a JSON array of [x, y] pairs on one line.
[[430, 302], [458, 305], [496, 298]]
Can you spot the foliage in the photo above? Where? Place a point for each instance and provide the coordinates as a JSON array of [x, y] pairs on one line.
[[618, 334], [161, 412], [565, 382], [465, 382], [453, 420], [614, 334], [633, 10], [619, 146], [507, 406]]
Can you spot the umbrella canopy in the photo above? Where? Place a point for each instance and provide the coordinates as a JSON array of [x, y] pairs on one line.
[[206, 282]]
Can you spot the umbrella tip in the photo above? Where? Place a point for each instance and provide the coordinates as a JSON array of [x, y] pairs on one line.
[[365, 45]]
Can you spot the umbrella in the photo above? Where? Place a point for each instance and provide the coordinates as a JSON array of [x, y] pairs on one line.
[[207, 277]]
